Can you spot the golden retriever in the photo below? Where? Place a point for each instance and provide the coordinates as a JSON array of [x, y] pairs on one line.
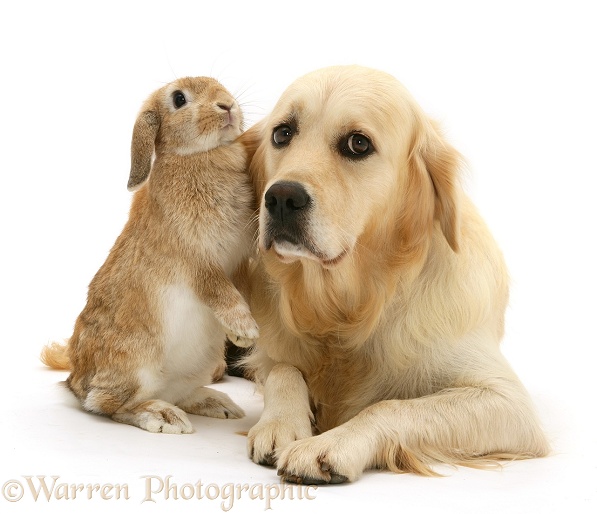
[[379, 292]]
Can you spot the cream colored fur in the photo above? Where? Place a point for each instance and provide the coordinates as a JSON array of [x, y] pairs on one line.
[[381, 320]]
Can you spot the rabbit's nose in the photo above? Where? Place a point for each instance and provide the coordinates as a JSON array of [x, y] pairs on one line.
[[224, 106]]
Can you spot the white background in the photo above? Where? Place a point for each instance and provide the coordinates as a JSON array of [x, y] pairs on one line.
[[512, 82]]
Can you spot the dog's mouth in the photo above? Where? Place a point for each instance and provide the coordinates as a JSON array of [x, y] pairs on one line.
[[288, 249]]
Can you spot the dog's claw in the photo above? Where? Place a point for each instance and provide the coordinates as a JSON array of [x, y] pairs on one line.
[[335, 478], [268, 460]]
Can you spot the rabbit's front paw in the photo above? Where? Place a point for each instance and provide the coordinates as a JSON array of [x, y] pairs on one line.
[[241, 328], [241, 342]]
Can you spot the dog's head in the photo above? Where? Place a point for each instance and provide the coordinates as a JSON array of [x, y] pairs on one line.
[[349, 162]]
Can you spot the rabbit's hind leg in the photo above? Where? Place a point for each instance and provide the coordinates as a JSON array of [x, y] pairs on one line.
[[126, 402], [211, 403], [155, 416]]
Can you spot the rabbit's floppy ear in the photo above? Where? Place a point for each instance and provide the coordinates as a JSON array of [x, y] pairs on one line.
[[142, 146]]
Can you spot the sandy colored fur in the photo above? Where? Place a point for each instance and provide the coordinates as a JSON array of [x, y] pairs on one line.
[[153, 330], [55, 356]]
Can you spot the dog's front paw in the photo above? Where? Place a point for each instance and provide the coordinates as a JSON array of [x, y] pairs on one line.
[[323, 459], [269, 437]]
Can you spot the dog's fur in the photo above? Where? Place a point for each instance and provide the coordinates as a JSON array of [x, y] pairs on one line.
[[379, 292]]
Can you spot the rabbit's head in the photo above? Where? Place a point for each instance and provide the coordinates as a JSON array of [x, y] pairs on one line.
[[189, 115]]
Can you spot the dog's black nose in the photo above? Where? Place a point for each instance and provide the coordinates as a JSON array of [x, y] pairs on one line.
[[284, 199]]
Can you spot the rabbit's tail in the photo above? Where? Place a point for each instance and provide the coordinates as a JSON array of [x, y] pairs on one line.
[[54, 355]]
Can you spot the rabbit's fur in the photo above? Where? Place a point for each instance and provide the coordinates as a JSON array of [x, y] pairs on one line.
[[153, 330]]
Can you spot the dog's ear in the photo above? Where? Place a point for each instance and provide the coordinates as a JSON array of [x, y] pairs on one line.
[[441, 162], [255, 140], [142, 146]]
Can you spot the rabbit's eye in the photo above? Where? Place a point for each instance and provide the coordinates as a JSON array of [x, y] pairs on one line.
[[179, 99]]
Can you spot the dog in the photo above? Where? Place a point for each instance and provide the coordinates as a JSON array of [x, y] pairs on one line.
[[379, 291]]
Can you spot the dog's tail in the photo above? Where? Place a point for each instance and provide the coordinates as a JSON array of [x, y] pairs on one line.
[[54, 355]]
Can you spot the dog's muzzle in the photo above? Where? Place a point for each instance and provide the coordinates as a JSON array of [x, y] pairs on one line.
[[287, 204]]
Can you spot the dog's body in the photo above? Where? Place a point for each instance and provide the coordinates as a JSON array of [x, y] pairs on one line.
[[379, 292]]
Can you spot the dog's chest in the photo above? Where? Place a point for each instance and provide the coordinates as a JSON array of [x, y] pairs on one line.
[[340, 388]]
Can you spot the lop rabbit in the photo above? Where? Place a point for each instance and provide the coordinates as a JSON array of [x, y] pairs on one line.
[[158, 311]]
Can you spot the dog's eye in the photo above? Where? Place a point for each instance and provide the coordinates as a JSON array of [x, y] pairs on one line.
[[282, 135], [356, 145], [179, 99]]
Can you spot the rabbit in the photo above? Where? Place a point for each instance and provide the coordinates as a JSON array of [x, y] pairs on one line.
[[160, 308]]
